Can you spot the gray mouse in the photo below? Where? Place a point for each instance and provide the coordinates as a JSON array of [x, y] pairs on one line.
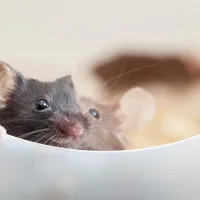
[[52, 113]]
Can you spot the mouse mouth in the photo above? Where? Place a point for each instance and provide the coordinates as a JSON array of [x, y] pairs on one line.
[[53, 138], [65, 128], [70, 130], [49, 136], [60, 140]]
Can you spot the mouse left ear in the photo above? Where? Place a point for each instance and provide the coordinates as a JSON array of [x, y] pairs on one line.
[[7, 82], [137, 107]]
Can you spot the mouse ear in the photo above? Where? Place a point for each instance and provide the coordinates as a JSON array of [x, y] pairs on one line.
[[7, 82], [66, 80], [137, 107]]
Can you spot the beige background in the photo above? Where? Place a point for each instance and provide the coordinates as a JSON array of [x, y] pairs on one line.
[[49, 38]]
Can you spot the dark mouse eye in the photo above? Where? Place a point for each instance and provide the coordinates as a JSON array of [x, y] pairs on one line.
[[42, 104], [94, 113]]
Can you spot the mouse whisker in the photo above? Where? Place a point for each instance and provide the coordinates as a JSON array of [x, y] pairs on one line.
[[23, 136], [62, 142], [116, 80], [57, 138], [88, 117], [20, 120], [127, 72], [99, 128], [118, 76], [44, 136], [51, 138]]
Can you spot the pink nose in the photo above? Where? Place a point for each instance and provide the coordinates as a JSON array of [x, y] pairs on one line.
[[74, 130], [65, 127]]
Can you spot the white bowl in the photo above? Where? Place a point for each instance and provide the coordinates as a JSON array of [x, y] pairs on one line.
[[36, 171]]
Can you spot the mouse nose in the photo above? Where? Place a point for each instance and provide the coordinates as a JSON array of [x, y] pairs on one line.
[[74, 129], [68, 128]]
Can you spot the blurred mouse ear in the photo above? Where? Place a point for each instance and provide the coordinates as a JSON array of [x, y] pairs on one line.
[[137, 107], [7, 82]]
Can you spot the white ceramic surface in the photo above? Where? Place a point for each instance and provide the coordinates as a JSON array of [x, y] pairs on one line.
[[33, 171]]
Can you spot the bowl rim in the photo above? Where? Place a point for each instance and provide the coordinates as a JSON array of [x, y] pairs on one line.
[[180, 142]]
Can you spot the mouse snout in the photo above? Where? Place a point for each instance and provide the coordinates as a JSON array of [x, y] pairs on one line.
[[68, 127]]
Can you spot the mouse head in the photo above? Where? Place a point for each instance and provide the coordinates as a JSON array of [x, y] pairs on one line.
[[51, 113], [109, 124], [45, 112]]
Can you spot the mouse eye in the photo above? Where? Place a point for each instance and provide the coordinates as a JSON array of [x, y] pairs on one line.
[[94, 113], [42, 104]]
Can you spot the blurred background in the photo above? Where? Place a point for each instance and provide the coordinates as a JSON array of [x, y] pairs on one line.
[[46, 39]]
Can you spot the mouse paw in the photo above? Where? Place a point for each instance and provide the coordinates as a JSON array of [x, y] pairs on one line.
[[2, 132]]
